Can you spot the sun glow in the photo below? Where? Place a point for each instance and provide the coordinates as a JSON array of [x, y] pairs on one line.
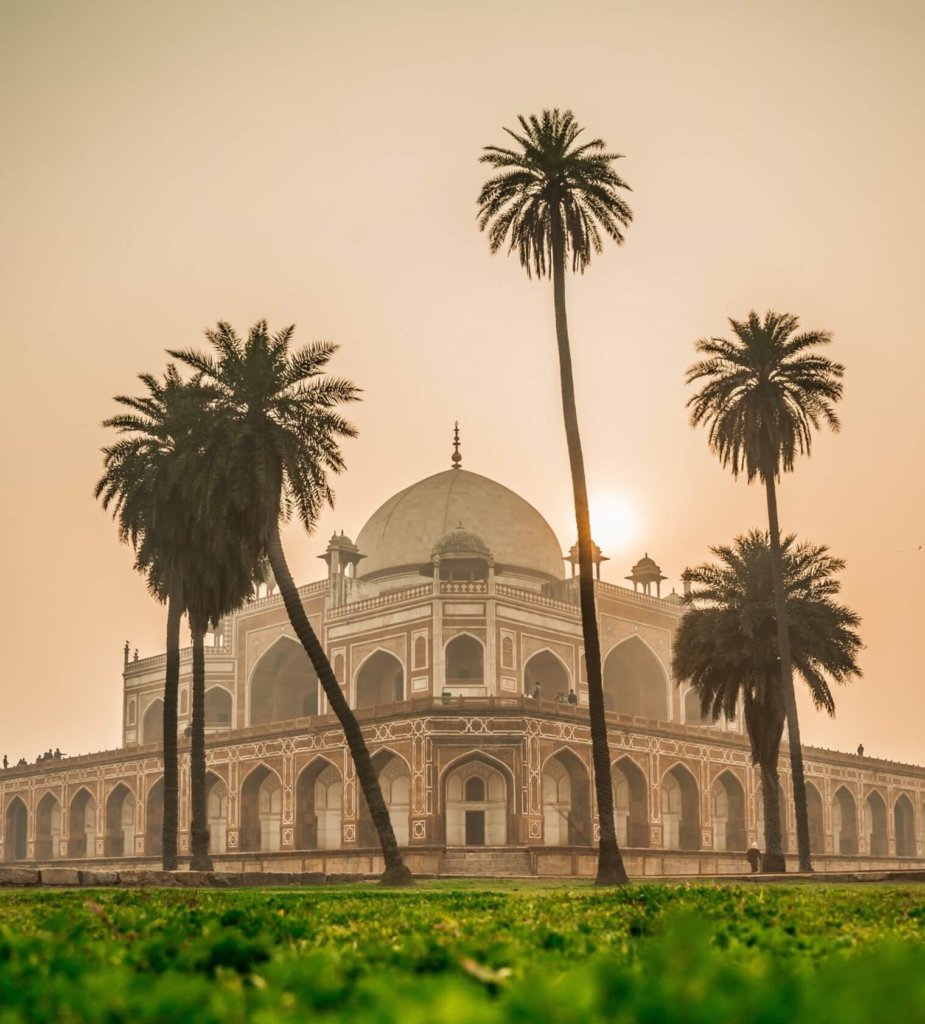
[[614, 523]]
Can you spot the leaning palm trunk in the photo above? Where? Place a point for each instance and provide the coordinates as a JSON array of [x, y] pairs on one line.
[[171, 689], [396, 872], [772, 859], [199, 830], [610, 869], [786, 678]]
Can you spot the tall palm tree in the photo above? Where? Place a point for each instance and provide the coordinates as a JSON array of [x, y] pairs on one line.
[[726, 646], [145, 481], [551, 200], [278, 416], [764, 394]]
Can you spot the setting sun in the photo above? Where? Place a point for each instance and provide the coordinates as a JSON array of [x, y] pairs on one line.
[[614, 523]]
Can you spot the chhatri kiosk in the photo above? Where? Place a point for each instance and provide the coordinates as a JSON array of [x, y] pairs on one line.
[[449, 612]]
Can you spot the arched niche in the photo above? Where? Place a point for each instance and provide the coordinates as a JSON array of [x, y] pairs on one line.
[[816, 822], [82, 825], [635, 681], [692, 714], [477, 799], [120, 823], [319, 806], [680, 810], [566, 801], [261, 811], [154, 820], [380, 680], [727, 801], [48, 828], [465, 661], [875, 824], [152, 723], [283, 685], [15, 825], [547, 670], [218, 708], [395, 781], [631, 804], [217, 813], [844, 822], [904, 826]]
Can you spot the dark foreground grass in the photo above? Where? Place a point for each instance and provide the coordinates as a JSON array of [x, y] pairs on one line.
[[652, 953]]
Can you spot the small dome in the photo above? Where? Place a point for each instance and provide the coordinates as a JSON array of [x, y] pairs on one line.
[[461, 543]]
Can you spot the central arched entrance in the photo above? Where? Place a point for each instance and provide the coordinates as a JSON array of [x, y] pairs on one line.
[[465, 660], [380, 680], [635, 682], [283, 685], [319, 806], [477, 800], [566, 801]]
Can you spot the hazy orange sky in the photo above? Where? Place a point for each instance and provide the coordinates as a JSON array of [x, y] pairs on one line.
[[168, 165]]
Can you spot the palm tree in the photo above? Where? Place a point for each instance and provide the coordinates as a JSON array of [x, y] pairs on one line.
[[278, 416], [764, 394], [550, 201], [726, 646], [145, 483]]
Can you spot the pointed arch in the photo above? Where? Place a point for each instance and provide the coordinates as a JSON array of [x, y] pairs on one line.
[[904, 826], [152, 723], [566, 789], [546, 668], [816, 822], [219, 707], [48, 827], [217, 812], [680, 797], [261, 810], [464, 660], [875, 824], [119, 840], [379, 679], [394, 774], [477, 822], [692, 713], [154, 819], [727, 803], [844, 822], [631, 802], [635, 681], [283, 684], [82, 824], [16, 822], [319, 805]]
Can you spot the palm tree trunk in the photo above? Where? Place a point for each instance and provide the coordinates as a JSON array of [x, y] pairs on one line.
[[171, 690], [610, 869], [772, 859], [199, 829], [396, 871], [786, 677]]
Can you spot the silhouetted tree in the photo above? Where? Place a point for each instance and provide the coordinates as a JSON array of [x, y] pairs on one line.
[[763, 394], [726, 646], [550, 201]]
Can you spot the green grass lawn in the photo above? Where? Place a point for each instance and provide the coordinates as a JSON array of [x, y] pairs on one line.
[[469, 953]]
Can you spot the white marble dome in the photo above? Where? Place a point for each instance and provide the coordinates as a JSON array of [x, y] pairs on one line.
[[401, 535]]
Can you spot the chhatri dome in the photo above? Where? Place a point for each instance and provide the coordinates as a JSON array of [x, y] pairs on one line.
[[402, 535]]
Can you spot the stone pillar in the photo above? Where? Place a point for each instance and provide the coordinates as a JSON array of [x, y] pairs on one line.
[[421, 807], [655, 802], [287, 770], [234, 800], [349, 810]]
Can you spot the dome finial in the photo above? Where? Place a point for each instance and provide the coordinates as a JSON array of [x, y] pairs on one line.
[[456, 458]]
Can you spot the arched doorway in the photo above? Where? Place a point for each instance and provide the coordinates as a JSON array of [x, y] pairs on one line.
[[218, 706], [875, 823], [120, 823], [727, 800], [48, 828], [844, 822], [319, 806], [380, 680], [395, 782], [816, 823], [635, 682], [680, 810], [566, 801], [82, 826], [217, 813], [553, 677], [477, 805], [283, 685], [631, 804], [15, 825], [904, 826], [464, 661], [154, 820], [152, 723], [261, 811]]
